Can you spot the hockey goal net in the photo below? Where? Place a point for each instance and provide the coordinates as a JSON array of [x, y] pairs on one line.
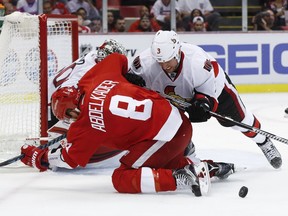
[[32, 49]]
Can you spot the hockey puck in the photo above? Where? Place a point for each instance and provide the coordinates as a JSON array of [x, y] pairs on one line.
[[243, 191]]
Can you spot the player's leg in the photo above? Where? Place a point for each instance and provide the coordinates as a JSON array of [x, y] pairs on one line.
[[231, 105], [154, 166]]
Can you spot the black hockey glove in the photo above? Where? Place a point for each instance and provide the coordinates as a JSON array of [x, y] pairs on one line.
[[135, 79], [199, 110]]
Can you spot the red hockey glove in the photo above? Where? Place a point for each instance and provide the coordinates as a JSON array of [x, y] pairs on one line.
[[199, 110], [35, 157]]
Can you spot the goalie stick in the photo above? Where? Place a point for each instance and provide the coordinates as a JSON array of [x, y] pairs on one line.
[[183, 104], [19, 157]]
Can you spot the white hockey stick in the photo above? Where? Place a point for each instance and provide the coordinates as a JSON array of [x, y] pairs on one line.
[[19, 157]]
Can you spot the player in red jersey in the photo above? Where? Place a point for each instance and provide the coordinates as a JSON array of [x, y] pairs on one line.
[[65, 83], [109, 111]]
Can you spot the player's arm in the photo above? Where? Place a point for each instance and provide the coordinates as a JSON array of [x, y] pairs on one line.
[[205, 98], [43, 159], [200, 106], [70, 75]]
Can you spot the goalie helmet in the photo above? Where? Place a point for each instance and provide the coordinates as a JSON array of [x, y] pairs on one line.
[[108, 47], [64, 99], [165, 46]]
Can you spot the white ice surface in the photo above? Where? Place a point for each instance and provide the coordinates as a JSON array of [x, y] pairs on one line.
[[24, 191]]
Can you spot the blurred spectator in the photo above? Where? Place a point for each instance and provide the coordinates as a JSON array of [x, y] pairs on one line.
[[144, 25], [47, 7], [74, 5], [82, 28], [212, 17], [93, 12], [263, 21], [198, 24], [54, 8], [119, 24], [278, 7], [81, 11], [29, 6], [96, 25], [110, 21], [144, 10], [162, 12], [188, 21], [9, 8]]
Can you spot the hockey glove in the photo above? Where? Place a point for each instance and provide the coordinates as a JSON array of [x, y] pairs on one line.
[[199, 110], [135, 79], [35, 157]]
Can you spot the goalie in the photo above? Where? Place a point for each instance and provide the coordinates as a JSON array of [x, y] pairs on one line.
[[109, 111]]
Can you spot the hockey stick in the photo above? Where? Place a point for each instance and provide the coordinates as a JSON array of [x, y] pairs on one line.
[[183, 104], [19, 157]]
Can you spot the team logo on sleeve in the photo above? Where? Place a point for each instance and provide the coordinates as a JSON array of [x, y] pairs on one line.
[[137, 63], [207, 65]]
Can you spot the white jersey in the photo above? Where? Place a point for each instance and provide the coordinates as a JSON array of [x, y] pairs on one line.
[[188, 5], [198, 71], [70, 75]]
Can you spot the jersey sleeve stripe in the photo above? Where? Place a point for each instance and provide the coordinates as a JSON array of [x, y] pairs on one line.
[[171, 126]]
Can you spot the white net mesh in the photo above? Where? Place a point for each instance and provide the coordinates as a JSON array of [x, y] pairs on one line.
[[19, 81], [20, 68]]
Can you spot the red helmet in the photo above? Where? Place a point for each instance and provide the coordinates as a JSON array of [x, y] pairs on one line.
[[63, 99]]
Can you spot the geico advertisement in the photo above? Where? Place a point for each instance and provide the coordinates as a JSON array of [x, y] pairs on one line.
[[248, 58]]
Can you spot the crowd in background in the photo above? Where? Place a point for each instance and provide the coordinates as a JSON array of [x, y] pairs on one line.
[[196, 15]]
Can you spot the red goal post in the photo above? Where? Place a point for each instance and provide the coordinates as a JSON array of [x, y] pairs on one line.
[[32, 49]]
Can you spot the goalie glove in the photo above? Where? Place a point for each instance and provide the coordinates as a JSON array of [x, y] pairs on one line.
[[199, 109], [35, 157]]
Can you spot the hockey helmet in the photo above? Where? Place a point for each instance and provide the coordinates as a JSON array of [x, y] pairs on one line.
[[108, 47], [165, 46], [66, 98]]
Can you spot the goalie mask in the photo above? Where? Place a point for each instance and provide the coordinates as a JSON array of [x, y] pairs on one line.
[[108, 47], [165, 46]]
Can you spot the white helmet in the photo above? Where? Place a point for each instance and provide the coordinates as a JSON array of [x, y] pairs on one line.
[[165, 46]]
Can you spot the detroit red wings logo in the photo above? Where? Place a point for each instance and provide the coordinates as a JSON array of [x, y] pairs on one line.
[[207, 65]]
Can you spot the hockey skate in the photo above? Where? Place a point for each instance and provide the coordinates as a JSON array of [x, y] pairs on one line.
[[271, 153], [187, 177], [220, 170]]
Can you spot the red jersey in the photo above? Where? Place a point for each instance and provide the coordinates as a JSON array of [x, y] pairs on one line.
[[116, 113]]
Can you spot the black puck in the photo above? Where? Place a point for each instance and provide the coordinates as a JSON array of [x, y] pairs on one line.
[[286, 110], [243, 191]]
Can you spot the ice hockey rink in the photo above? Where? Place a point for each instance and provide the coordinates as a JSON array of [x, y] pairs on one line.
[[24, 191]]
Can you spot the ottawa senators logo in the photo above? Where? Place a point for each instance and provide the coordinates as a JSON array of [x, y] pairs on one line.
[[207, 65], [137, 63]]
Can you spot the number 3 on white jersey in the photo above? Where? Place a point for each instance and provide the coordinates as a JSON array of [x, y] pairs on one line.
[[128, 107]]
